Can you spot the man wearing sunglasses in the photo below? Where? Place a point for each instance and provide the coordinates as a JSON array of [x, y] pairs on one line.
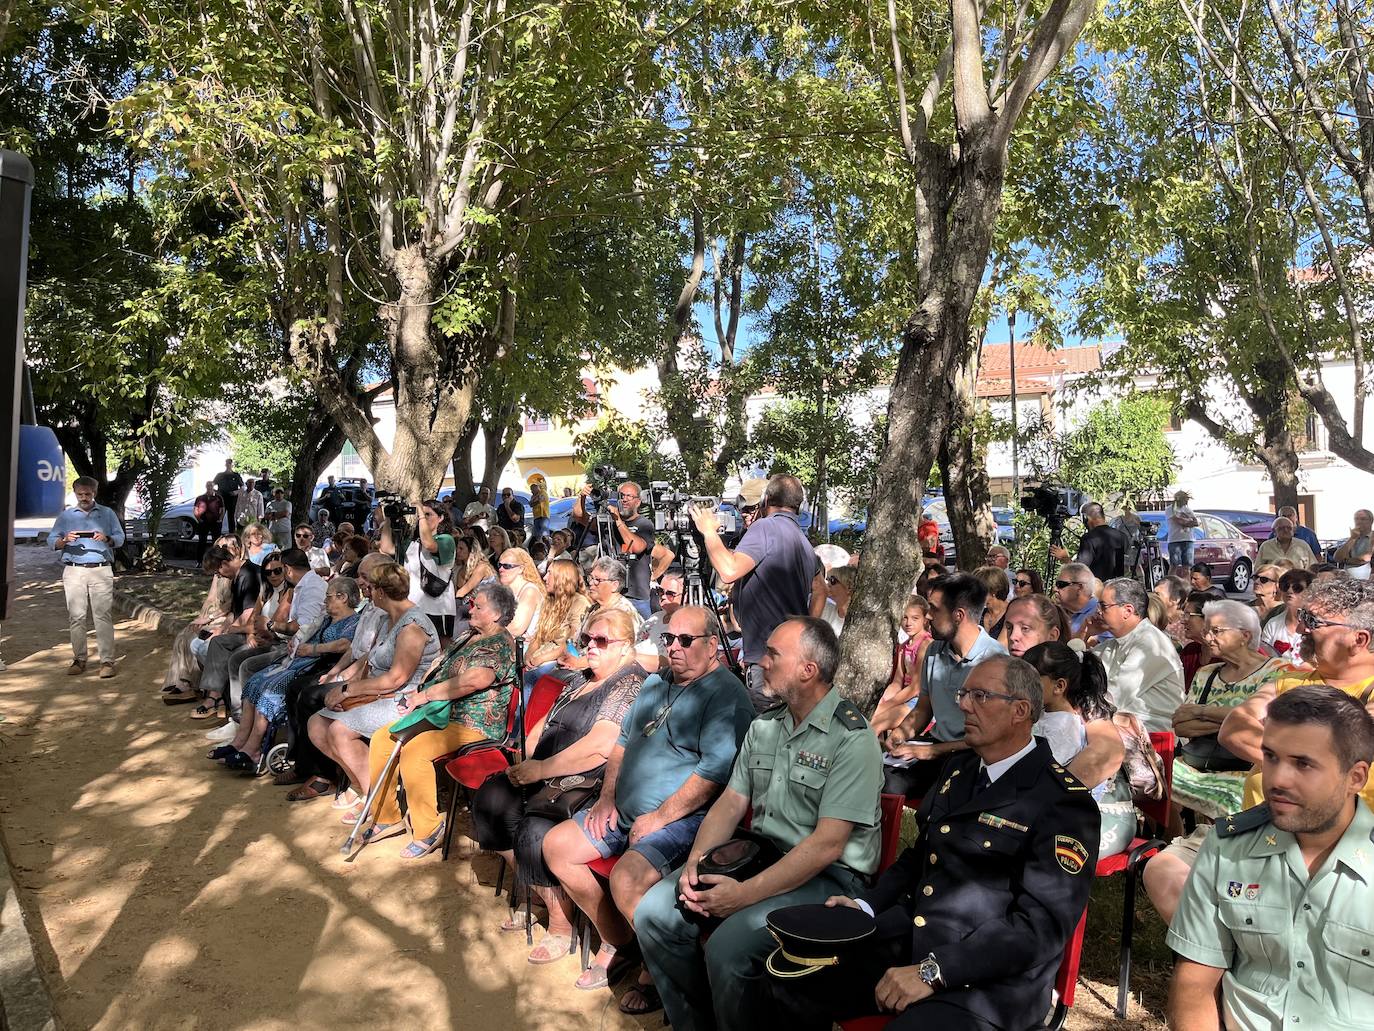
[[1336, 622], [672, 759], [1074, 591], [652, 647]]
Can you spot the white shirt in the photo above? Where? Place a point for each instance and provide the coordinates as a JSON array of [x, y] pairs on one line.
[[249, 501], [307, 600], [1144, 674], [484, 514], [318, 558], [1178, 532]]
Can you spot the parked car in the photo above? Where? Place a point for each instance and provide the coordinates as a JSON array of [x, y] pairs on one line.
[[351, 501], [1219, 543], [1259, 525]]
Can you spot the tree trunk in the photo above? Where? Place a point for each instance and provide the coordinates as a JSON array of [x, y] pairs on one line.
[[968, 500], [464, 476], [961, 201], [320, 444], [500, 442]]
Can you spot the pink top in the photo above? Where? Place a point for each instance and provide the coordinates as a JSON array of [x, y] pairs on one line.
[[906, 655]]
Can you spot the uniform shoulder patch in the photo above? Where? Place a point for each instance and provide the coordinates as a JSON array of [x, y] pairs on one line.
[[776, 712], [1243, 822], [849, 716]]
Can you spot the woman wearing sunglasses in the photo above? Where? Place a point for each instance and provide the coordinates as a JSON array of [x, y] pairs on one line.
[[517, 571], [1281, 633], [576, 737], [1027, 582], [1266, 584]]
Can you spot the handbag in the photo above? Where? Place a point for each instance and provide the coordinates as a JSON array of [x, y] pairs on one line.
[[1207, 754], [432, 584], [1142, 765], [561, 797]]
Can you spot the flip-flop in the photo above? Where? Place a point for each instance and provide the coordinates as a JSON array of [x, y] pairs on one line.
[[309, 791], [653, 1002]]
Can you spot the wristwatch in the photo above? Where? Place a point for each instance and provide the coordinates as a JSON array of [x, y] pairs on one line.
[[929, 970]]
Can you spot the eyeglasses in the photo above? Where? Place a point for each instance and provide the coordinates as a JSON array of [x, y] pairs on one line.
[[508, 565], [627, 495], [1266, 579], [1217, 631], [1310, 621], [1024, 583], [598, 641], [981, 697], [686, 640], [300, 535], [602, 580], [671, 594], [1061, 584]]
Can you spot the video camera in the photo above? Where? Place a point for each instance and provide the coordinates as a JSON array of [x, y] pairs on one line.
[[603, 480], [672, 509], [393, 506], [1050, 502]]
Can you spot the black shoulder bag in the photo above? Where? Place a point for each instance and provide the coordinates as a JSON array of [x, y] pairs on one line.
[[1206, 753]]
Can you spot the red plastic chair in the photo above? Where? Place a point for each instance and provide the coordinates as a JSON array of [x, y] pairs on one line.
[[1132, 862], [472, 764], [1065, 982], [891, 834]]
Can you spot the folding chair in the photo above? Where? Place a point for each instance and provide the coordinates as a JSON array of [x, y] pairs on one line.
[[472, 764], [1132, 862]]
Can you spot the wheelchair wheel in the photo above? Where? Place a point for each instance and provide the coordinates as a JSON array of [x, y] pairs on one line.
[[276, 759]]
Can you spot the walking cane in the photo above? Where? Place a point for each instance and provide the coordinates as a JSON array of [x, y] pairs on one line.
[[346, 849]]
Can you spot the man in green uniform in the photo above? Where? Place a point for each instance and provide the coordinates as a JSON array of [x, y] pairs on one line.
[[1276, 924], [810, 773]]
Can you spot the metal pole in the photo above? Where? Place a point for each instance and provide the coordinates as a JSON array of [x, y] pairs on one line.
[[16, 185], [1015, 423]]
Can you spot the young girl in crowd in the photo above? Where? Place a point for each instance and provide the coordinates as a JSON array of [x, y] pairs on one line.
[[904, 688], [1076, 699]]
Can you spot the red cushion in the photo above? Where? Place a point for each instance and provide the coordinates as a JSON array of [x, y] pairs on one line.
[[1109, 865], [473, 769], [865, 1024], [603, 867]]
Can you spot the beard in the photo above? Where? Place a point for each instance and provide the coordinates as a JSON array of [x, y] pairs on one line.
[[1313, 818]]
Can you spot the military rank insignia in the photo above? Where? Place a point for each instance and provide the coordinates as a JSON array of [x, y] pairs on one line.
[[989, 820], [812, 761], [1070, 853]]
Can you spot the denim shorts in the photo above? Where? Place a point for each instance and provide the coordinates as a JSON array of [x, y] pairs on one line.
[[665, 849]]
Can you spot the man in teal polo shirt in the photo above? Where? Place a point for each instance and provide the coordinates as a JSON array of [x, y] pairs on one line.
[[810, 773]]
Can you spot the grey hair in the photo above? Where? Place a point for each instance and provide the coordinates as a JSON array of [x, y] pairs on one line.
[[1350, 600], [820, 645], [1021, 680], [1078, 571], [1282, 519], [501, 598], [1126, 591], [1238, 615], [348, 587], [613, 568]]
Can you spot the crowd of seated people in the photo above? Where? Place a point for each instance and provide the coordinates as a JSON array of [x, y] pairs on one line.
[[658, 731]]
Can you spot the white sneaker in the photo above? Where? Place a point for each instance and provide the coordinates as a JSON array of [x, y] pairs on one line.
[[224, 734], [2, 665]]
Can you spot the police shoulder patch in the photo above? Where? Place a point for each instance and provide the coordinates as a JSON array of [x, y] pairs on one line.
[[1070, 853], [847, 713], [1243, 822]]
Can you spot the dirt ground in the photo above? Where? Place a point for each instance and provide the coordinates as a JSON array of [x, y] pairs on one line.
[[166, 893]]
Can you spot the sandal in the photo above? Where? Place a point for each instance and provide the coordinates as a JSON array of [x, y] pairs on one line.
[[289, 778], [550, 949], [209, 709], [176, 697], [347, 799], [382, 831], [354, 814], [648, 997], [317, 788], [242, 762], [222, 754], [516, 921], [592, 978], [421, 847]]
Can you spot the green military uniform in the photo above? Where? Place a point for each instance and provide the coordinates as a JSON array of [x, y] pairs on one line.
[[828, 767], [1298, 951]]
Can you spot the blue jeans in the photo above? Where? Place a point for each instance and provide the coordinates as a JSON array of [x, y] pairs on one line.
[[665, 849], [541, 528], [1180, 553]]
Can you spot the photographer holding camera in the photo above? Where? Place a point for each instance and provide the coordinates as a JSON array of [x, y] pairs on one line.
[[1102, 549], [775, 569], [634, 542]]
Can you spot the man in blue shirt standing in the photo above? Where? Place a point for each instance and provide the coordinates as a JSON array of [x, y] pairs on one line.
[[87, 536]]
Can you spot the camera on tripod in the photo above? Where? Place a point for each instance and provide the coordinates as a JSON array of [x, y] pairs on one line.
[[394, 507], [603, 480], [673, 509], [1050, 502]]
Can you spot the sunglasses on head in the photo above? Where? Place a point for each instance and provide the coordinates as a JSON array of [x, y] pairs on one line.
[[600, 640]]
